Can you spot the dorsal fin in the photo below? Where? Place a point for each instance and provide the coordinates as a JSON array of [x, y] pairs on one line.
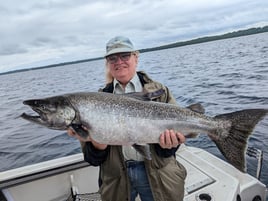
[[197, 107]]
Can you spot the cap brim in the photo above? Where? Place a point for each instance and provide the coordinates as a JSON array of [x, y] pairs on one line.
[[118, 50]]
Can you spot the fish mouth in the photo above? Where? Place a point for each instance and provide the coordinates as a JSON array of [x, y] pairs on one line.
[[34, 118], [39, 118], [35, 106], [27, 116]]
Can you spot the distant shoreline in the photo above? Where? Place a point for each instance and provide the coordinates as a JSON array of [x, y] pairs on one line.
[[234, 34]]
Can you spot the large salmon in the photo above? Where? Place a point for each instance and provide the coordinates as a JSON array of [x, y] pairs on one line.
[[129, 119]]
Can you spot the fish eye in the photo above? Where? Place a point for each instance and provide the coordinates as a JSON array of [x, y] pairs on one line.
[[42, 106]]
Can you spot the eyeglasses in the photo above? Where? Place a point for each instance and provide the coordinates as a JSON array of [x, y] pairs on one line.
[[112, 59]]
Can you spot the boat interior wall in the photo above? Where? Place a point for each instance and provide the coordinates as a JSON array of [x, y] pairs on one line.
[[49, 182], [39, 170], [209, 175], [42, 174], [54, 188]]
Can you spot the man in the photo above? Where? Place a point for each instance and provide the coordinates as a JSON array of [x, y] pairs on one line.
[[124, 173]]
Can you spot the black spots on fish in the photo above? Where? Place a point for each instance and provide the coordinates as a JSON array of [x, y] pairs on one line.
[[244, 120], [233, 146], [59, 101], [154, 111], [252, 115], [233, 149]]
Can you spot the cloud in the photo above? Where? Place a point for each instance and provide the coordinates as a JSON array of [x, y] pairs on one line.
[[42, 32]]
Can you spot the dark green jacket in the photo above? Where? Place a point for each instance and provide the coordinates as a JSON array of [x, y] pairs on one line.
[[166, 175]]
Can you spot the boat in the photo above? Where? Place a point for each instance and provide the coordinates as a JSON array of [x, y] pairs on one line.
[[209, 178]]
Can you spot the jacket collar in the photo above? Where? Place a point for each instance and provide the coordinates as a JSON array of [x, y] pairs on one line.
[[144, 79]]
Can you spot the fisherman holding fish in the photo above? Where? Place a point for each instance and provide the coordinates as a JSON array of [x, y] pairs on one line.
[[123, 114], [124, 172]]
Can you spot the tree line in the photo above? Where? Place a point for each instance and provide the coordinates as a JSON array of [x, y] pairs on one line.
[[210, 38]]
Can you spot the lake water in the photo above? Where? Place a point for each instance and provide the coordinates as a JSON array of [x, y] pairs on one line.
[[224, 76]]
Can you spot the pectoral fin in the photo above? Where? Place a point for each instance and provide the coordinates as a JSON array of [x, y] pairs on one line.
[[79, 129]]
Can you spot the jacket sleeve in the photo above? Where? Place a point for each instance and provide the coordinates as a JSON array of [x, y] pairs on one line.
[[165, 153], [92, 155]]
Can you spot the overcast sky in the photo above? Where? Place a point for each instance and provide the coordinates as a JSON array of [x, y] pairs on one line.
[[36, 33]]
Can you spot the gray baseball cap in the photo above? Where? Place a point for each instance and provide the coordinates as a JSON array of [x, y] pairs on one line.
[[119, 44]]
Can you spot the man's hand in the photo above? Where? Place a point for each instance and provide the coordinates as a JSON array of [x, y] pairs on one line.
[[169, 139], [72, 133], [97, 145]]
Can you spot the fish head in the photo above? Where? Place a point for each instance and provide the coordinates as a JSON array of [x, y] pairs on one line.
[[55, 113]]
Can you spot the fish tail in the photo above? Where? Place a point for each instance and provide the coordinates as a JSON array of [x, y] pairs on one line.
[[234, 145]]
